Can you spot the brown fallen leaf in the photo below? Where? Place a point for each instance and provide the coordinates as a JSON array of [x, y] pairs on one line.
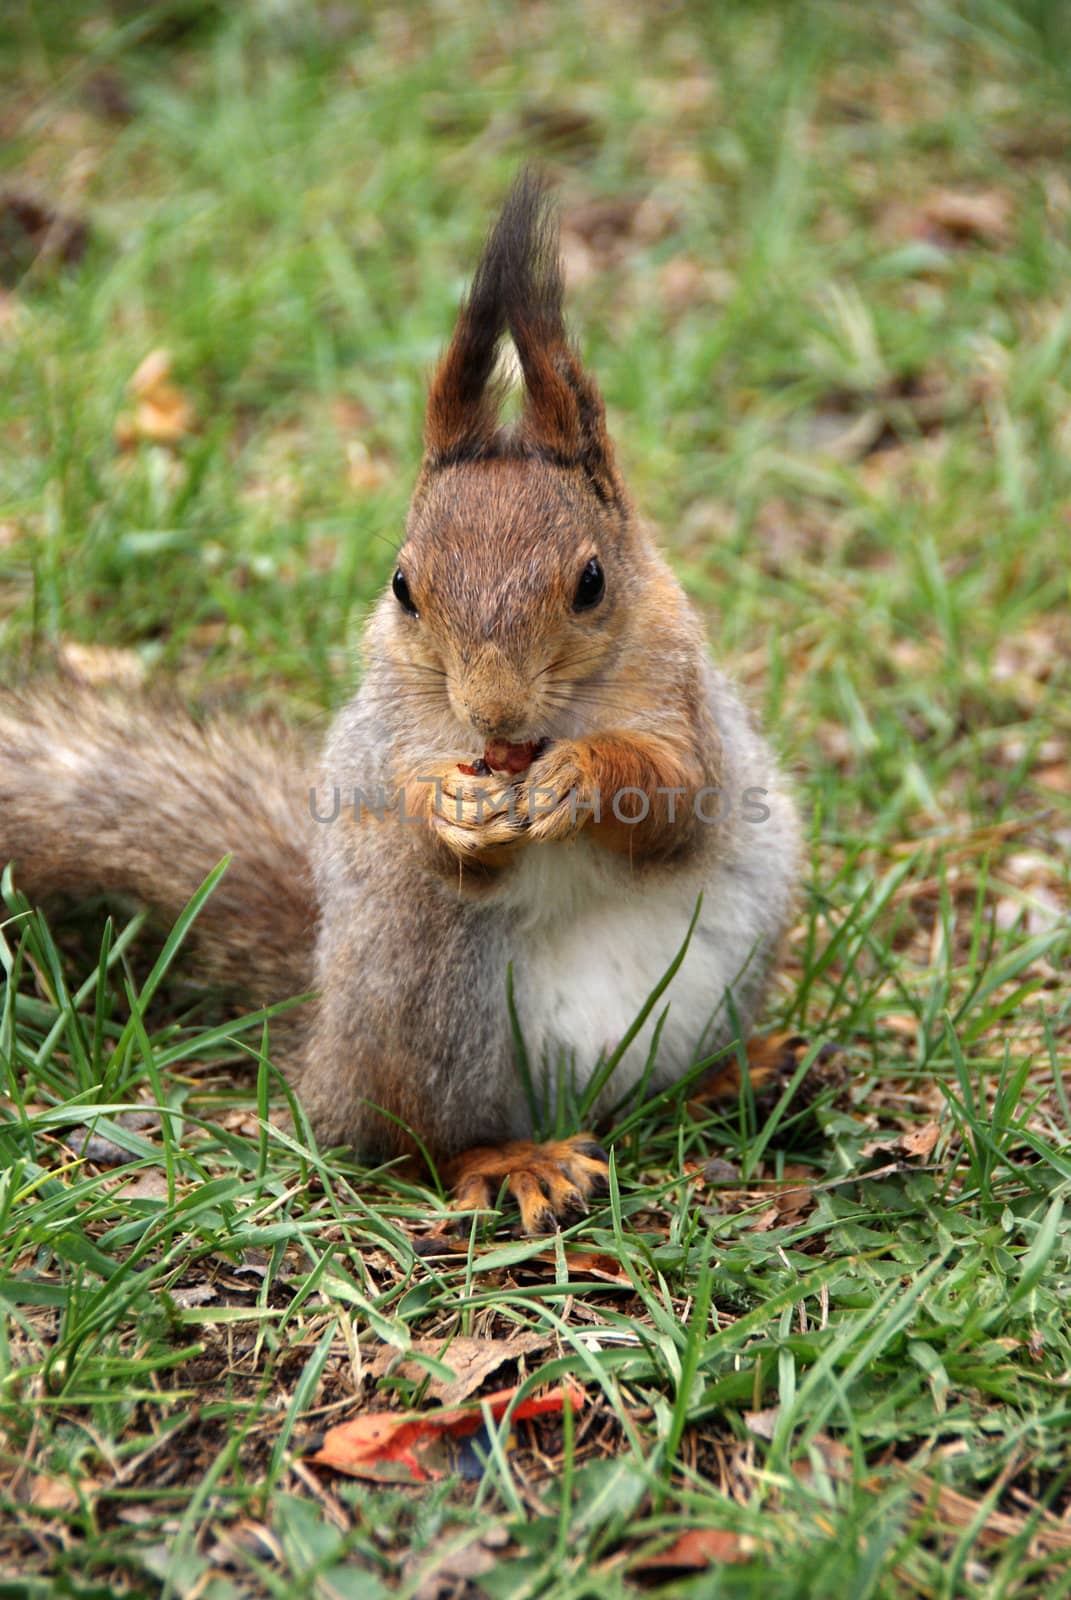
[[835, 1457], [906, 1024], [793, 1203], [32, 1108], [920, 1141], [586, 1264], [963, 218], [151, 1184], [56, 1494], [471, 1360], [765, 1220], [697, 1548], [163, 414]]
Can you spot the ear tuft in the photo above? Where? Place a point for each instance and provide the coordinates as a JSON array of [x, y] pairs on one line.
[[518, 288]]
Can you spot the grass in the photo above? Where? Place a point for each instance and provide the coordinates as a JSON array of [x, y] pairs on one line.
[[839, 1337]]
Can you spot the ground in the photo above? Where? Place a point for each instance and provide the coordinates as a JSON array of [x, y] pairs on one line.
[[818, 257]]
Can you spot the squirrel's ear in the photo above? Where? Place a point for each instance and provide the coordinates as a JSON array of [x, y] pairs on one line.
[[518, 286], [563, 410], [463, 400]]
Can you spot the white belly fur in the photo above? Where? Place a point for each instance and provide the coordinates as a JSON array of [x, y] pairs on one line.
[[587, 954]]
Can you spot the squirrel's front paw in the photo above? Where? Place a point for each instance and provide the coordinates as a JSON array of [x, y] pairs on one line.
[[473, 815], [557, 799], [550, 1182]]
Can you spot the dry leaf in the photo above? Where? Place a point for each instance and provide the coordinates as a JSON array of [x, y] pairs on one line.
[[471, 1360], [906, 1024], [151, 373], [763, 1424], [945, 1505], [794, 1203], [920, 1141], [962, 218], [584, 1264], [148, 1185], [598, 1265], [874, 1147], [765, 1220], [835, 1457], [409, 1448], [163, 414], [198, 1294], [52, 1494], [700, 1547]]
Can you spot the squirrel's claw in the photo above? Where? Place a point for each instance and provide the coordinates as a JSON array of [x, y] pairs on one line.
[[550, 1182]]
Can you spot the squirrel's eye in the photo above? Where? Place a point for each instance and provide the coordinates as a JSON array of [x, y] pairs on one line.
[[401, 593], [591, 588]]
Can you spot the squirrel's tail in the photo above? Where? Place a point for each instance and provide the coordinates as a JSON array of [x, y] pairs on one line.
[[105, 795]]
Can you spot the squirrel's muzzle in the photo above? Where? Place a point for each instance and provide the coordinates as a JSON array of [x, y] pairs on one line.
[[497, 721], [494, 697]]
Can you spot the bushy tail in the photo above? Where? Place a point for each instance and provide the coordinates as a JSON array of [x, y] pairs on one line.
[[106, 795]]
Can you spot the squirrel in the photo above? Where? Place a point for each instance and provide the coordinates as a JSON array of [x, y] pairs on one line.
[[542, 780]]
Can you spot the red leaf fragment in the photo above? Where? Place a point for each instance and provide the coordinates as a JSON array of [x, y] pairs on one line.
[[407, 1447]]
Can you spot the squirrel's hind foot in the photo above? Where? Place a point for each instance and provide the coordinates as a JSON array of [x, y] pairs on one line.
[[551, 1182]]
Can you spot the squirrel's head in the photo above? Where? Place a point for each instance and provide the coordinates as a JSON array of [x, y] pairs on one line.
[[511, 590]]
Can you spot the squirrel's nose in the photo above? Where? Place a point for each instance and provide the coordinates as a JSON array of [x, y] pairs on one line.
[[496, 721]]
